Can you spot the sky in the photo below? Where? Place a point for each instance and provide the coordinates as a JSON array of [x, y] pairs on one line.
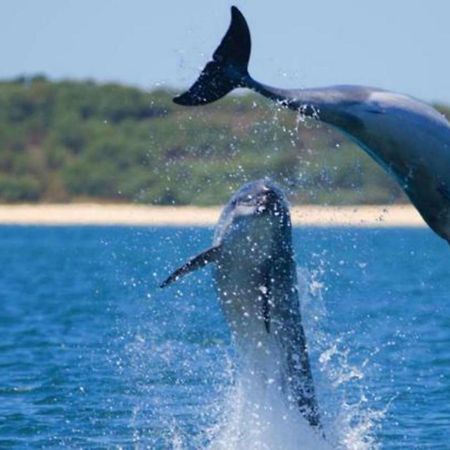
[[400, 45]]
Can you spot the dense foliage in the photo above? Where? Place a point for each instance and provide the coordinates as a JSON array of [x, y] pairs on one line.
[[71, 140]]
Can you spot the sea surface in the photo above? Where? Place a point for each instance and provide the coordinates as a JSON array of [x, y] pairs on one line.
[[94, 355]]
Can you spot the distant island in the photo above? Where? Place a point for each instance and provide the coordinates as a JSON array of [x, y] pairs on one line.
[[72, 141]]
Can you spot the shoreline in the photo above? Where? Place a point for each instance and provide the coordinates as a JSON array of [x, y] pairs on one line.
[[142, 215]]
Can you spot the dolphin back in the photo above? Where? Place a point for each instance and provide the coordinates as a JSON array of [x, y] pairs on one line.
[[228, 68]]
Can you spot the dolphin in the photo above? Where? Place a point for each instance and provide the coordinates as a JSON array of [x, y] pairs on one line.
[[408, 138], [256, 281]]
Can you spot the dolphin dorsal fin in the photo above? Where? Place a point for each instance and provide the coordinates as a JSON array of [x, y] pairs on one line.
[[197, 262]]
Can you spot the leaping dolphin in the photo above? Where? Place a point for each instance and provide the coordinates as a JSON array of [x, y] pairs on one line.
[[256, 280], [408, 138]]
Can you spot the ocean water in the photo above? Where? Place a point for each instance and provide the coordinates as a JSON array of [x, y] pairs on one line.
[[94, 355]]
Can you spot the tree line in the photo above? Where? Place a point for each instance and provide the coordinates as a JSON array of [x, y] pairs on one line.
[[80, 140]]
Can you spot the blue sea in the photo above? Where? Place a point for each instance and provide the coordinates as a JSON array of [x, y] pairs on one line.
[[94, 355]]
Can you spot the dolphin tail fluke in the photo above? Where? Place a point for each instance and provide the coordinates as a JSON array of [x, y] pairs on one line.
[[228, 68]]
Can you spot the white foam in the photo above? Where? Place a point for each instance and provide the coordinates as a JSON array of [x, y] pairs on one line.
[[256, 416]]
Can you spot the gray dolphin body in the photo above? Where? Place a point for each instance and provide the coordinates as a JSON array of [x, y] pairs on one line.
[[256, 281], [408, 138]]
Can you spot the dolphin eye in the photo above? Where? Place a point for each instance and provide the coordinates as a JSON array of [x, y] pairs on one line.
[[247, 200]]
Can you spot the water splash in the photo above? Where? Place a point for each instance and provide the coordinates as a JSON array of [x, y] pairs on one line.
[[256, 416], [349, 421], [221, 405]]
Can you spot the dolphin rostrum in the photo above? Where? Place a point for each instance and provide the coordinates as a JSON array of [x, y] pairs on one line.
[[408, 138], [256, 280]]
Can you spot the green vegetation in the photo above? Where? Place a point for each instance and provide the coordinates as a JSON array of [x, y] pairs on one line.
[[70, 141]]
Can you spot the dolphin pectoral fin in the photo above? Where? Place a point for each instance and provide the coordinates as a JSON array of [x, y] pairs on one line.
[[266, 292], [228, 68], [266, 308], [194, 263]]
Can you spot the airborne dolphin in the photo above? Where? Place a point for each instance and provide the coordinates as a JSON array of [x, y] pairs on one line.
[[408, 138], [256, 280]]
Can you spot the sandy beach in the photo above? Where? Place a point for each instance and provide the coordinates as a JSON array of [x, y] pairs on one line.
[[140, 215]]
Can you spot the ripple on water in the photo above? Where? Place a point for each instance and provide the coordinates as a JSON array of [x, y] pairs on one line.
[[93, 355]]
